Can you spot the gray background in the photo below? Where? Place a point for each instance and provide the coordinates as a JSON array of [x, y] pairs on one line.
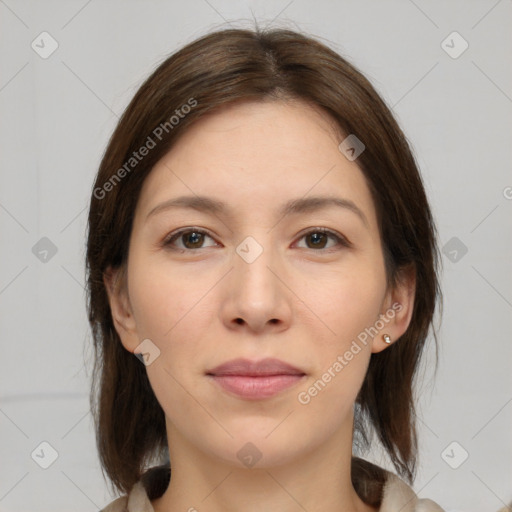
[[57, 114]]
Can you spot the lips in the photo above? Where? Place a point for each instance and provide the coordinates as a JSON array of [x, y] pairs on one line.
[[255, 368], [255, 380]]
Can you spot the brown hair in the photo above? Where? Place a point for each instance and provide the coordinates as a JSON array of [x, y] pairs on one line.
[[215, 70]]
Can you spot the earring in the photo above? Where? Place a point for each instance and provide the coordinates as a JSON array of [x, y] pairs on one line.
[[387, 338]]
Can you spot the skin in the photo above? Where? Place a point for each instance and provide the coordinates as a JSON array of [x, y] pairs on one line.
[[296, 302]]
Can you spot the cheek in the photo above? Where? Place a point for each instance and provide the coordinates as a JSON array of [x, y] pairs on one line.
[[341, 359], [164, 298], [346, 301], [347, 306]]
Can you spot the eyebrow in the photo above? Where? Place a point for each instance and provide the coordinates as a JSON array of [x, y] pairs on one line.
[[295, 206]]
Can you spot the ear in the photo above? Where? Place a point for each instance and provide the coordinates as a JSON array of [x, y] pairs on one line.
[[122, 315], [397, 309]]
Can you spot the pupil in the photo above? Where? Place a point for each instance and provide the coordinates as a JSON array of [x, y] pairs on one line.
[[317, 238], [194, 238]]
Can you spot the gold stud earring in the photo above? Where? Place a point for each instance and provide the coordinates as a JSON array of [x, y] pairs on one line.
[[387, 338]]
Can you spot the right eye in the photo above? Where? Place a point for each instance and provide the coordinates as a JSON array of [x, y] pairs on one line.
[[190, 238]]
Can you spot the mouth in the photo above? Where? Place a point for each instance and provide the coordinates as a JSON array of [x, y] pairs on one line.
[[255, 380]]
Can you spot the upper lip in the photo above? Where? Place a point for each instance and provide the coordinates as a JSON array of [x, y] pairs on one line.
[[264, 367]]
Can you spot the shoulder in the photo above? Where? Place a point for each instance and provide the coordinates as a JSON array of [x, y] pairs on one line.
[[136, 501], [385, 491], [397, 495], [119, 505], [152, 484]]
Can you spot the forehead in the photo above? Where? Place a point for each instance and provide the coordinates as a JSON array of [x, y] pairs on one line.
[[253, 122], [256, 154]]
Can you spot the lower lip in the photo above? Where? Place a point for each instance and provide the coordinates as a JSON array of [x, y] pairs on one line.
[[256, 388]]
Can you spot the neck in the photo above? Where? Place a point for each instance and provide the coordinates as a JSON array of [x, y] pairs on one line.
[[317, 480]]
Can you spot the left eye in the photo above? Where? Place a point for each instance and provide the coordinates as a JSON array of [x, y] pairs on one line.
[[319, 237], [191, 239]]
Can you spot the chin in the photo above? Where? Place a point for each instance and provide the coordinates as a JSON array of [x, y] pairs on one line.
[[260, 445]]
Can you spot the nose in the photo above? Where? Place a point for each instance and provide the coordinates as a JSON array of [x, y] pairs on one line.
[[256, 297]]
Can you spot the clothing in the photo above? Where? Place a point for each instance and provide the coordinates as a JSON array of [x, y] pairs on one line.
[[395, 495]]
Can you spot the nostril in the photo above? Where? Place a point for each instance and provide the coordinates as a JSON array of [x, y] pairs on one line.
[[239, 321]]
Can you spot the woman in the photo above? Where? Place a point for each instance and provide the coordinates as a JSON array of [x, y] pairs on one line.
[[262, 278]]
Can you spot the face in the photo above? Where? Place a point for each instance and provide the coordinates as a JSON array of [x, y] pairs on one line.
[[240, 277]]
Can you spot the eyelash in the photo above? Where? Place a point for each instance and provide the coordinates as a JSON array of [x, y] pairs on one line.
[[168, 241]]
